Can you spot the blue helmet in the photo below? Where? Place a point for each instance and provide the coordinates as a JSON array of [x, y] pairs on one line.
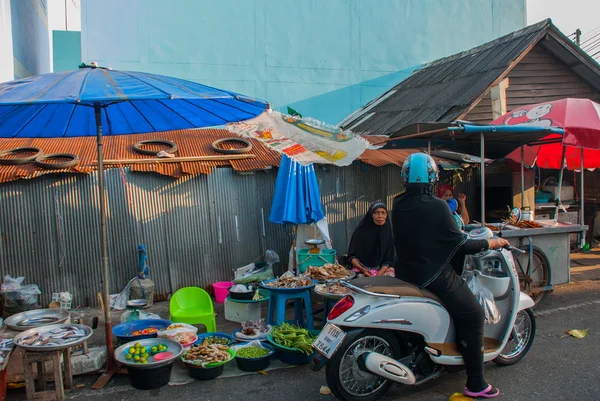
[[419, 168]]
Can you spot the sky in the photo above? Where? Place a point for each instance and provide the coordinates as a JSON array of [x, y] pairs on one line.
[[568, 16]]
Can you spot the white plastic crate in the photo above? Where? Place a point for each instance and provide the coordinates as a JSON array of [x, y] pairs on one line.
[[63, 299]]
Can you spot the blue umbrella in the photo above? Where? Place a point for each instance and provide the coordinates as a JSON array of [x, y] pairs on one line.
[[297, 198], [96, 101]]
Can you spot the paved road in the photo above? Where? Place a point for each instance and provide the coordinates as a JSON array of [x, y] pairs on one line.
[[556, 368]]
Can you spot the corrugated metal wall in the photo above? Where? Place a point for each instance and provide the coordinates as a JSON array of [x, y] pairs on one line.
[[196, 229]]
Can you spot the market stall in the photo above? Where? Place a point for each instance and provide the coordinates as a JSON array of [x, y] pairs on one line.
[[547, 242]]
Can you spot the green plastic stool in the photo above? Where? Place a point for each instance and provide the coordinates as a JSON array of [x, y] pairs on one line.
[[192, 305]]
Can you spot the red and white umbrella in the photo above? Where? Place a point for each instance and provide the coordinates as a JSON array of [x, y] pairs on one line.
[[580, 118], [580, 145]]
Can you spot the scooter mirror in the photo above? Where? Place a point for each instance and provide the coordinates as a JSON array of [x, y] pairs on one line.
[[453, 204], [515, 215]]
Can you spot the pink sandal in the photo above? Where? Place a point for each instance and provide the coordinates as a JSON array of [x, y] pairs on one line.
[[489, 392]]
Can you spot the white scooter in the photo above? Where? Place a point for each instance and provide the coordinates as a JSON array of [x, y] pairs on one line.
[[387, 330]]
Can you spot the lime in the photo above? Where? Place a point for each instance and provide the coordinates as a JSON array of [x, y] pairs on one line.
[[144, 361], [132, 350], [145, 355], [154, 349], [143, 350], [136, 358], [137, 345], [128, 357]]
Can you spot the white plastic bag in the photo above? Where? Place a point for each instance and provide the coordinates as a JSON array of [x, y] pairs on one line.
[[254, 343], [261, 330], [11, 284], [484, 297], [131, 315], [183, 333]]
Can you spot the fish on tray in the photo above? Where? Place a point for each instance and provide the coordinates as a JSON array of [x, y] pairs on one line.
[[61, 336], [37, 320]]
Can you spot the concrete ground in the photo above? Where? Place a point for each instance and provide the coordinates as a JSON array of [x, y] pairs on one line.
[[557, 367]]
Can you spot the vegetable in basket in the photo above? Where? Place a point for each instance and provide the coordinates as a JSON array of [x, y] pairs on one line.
[[292, 336]]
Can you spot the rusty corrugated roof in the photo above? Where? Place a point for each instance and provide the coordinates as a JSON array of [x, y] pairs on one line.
[[189, 142]]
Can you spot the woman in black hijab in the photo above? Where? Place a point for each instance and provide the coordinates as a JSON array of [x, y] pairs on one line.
[[430, 252], [371, 250]]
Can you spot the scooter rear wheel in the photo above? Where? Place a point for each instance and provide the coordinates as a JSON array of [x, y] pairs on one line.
[[518, 345], [346, 380]]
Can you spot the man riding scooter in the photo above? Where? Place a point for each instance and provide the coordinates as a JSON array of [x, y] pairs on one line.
[[430, 252]]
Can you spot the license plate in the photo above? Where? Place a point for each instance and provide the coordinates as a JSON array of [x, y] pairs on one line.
[[329, 340]]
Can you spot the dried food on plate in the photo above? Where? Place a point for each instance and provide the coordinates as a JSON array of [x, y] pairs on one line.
[[529, 224], [328, 271], [205, 354], [334, 288], [288, 280], [493, 228]]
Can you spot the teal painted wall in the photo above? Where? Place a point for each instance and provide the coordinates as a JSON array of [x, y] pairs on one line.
[[30, 37], [323, 58], [66, 50]]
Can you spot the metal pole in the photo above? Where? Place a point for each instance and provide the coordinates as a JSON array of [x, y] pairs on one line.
[[482, 174], [104, 238], [522, 177], [560, 180], [581, 200]]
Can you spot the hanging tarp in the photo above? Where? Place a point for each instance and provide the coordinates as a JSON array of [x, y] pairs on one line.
[[304, 140]]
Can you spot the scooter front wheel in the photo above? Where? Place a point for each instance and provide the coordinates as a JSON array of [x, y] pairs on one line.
[[345, 377], [520, 341]]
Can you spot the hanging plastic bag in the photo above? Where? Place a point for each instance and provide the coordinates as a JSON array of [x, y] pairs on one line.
[[257, 272], [11, 284], [484, 297], [119, 301]]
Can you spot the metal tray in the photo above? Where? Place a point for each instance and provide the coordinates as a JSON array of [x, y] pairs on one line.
[[137, 303], [328, 295], [172, 346], [55, 316], [45, 329]]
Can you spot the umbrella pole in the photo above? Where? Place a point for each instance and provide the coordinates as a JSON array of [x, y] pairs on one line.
[[482, 174], [522, 177], [581, 200], [109, 371], [294, 249], [560, 180]]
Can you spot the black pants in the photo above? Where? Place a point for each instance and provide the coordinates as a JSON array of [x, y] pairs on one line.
[[468, 318]]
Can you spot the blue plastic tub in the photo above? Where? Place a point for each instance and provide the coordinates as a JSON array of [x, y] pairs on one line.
[[201, 337], [255, 364], [123, 331]]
